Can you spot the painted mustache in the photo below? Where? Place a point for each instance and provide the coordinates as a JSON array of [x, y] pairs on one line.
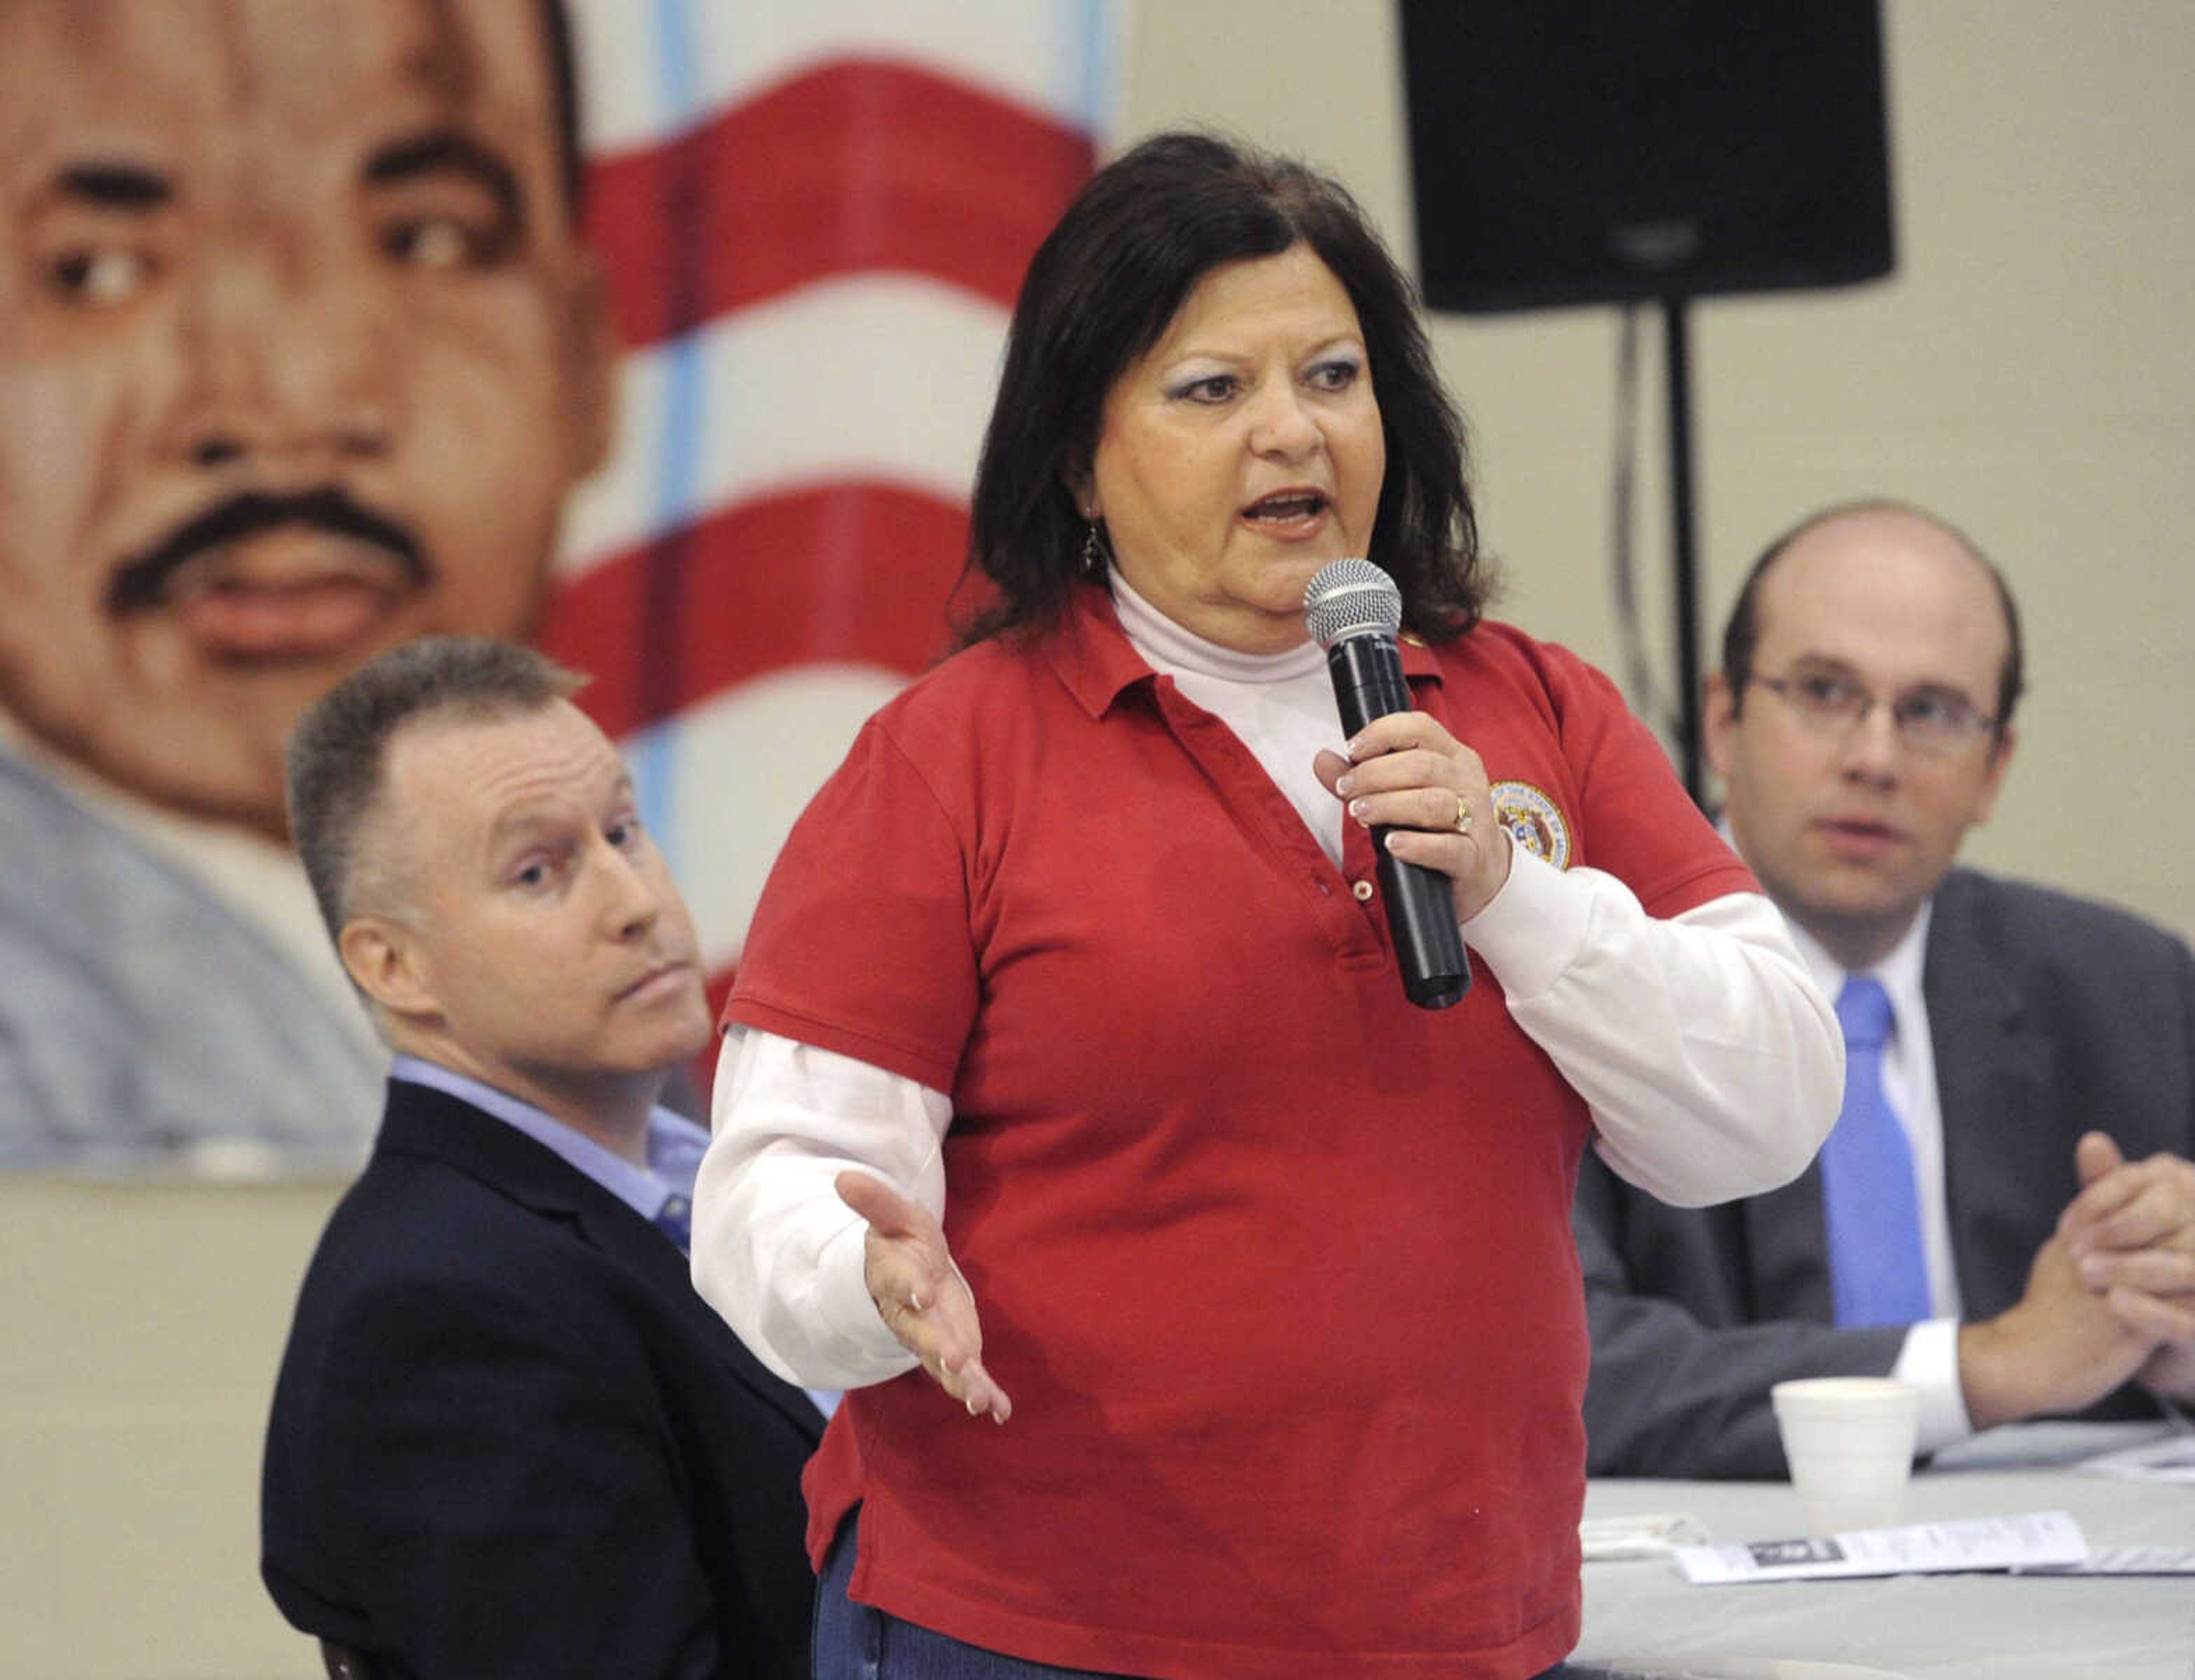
[[142, 584]]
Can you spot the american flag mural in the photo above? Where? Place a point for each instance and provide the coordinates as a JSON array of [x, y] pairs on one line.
[[815, 215]]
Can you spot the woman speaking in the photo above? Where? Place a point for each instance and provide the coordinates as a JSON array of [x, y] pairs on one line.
[[1207, 1308]]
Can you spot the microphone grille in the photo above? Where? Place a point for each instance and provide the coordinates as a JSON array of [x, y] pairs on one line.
[[1349, 597]]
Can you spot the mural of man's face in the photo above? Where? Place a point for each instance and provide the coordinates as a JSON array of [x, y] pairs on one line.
[[299, 357]]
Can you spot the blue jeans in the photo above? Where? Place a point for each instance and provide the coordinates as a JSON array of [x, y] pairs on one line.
[[856, 1642]]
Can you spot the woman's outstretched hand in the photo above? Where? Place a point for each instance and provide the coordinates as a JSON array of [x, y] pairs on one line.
[[920, 1294]]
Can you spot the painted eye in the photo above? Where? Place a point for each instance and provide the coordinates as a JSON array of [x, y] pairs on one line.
[[102, 277], [443, 243]]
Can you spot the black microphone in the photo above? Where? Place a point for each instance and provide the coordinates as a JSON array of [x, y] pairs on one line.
[[1353, 609]]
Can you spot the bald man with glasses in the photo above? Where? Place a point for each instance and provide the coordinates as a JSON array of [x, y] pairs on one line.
[[2005, 1214]]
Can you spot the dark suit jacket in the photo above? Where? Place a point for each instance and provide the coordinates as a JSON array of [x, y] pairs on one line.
[[2050, 1016], [509, 1438]]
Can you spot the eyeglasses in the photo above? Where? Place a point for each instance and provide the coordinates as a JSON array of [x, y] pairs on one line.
[[1927, 720]]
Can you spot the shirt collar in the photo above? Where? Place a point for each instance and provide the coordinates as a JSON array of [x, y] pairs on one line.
[[1171, 649], [675, 1144], [1097, 661], [1899, 971]]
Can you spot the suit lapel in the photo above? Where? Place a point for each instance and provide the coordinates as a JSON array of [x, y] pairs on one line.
[[1992, 1058], [432, 1125], [619, 1232]]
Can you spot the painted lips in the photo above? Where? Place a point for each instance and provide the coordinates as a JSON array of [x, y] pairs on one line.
[[288, 594], [262, 576]]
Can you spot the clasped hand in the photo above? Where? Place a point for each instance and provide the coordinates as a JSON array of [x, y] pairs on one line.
[[1405, 771], [2131, 1234]]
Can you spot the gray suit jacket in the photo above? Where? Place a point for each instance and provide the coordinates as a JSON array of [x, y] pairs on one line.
[[2051, 1015], [144, 1024]]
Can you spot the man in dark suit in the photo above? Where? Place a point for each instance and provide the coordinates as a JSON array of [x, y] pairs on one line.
[[508, 1437], [2037, 1077]]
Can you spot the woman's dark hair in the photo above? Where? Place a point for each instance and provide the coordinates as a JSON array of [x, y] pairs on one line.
[[1102, 288]]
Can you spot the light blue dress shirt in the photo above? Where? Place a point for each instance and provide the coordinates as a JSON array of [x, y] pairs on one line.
[[675, 1144]]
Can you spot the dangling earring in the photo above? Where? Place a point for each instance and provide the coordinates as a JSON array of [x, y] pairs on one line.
[[1093, 551]]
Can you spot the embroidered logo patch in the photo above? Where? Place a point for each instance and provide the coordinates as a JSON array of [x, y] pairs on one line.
[[1533, 821]]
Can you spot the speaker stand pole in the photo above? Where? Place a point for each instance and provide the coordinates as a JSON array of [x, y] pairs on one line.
[[1683, 563]]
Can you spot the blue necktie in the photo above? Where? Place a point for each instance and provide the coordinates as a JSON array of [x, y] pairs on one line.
[[675, 1219], [1878, 1271]]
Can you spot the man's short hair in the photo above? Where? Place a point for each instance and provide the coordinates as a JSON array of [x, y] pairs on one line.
[[1742, 632], [339, 748]]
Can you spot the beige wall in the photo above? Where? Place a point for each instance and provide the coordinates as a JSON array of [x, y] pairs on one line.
[[2024, 373], [137, 1351]]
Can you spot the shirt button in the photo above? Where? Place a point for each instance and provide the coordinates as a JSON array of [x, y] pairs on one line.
[[1363, 889]]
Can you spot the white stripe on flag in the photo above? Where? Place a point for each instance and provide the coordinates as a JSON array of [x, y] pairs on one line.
[[747, 763], [885, 376]]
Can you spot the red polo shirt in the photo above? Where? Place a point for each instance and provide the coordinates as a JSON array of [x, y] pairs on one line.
[[1276, 1267]]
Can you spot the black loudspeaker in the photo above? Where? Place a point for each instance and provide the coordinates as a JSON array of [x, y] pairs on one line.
[[1601, 151]]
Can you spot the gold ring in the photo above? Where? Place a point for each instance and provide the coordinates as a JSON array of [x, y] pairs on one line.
[[1462, 816]]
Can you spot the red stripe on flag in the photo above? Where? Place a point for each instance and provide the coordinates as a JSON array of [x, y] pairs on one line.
[[860, 164], [851, 572]]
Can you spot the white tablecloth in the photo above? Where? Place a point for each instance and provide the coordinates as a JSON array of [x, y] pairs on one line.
[[1645, 1617]]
